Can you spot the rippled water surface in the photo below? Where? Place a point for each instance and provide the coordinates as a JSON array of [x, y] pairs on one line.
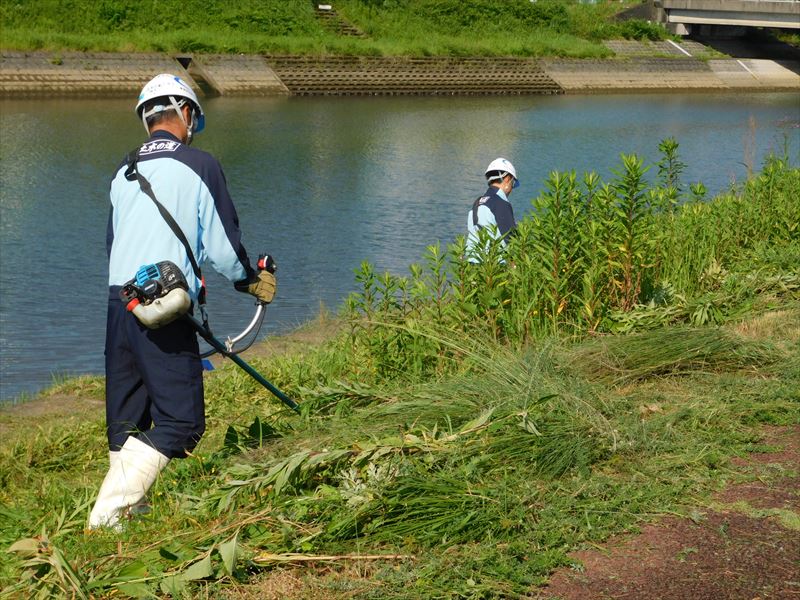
[[322, 184]]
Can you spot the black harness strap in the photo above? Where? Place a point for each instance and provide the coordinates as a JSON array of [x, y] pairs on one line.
[[475, 206], [131, 174]]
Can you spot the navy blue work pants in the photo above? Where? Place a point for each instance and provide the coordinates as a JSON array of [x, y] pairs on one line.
[[154, 382]]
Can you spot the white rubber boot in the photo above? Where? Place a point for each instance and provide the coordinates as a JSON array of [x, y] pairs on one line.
[[130, 475]]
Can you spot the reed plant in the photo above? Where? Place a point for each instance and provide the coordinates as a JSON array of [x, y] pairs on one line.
[[669, 351], [592, 257]]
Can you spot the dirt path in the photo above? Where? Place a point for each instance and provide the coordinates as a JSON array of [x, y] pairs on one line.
[[20, 417], [54, 406], [744, 546]]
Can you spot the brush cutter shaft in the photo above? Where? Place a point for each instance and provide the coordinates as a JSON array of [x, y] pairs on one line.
[[220, 347]]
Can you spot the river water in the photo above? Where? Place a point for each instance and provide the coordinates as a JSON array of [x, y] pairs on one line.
[[322, 184]]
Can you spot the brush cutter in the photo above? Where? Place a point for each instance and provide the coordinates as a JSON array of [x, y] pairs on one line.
[[158, 295]]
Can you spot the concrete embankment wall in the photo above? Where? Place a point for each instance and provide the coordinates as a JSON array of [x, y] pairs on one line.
[[77, 74]]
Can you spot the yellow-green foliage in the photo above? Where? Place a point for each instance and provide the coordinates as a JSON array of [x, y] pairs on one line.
[[593, 257]]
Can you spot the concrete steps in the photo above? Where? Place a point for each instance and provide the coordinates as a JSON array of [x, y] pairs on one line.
[[412, 76], [77, 74], [332, 21]]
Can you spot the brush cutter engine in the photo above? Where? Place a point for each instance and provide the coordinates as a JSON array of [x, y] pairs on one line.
[[157, 295]]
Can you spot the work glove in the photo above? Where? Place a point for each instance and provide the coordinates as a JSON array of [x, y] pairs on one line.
[[262, 286]]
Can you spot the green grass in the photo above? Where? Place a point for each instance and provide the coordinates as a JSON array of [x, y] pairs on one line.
[[474, 452], [488, 478], [393, 28]]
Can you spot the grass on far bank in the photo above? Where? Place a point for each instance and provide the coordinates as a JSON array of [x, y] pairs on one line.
[[393, 28], [460, 437]]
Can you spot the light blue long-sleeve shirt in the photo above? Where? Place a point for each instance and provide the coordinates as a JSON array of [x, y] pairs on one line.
[[190, 184]]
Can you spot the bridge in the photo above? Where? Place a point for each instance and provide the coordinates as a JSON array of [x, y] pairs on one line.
[[681, 15]]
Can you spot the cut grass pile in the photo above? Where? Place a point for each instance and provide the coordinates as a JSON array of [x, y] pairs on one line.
[[481, 482]]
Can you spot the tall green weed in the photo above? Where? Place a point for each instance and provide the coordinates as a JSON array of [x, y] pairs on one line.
[[593, 256], [507, 465]]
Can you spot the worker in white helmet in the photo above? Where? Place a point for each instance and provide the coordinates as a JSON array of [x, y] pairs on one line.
[[492, 212], [169, 202]]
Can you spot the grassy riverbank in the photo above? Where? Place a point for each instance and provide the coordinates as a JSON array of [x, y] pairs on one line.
[[471, 425], [392, 28]]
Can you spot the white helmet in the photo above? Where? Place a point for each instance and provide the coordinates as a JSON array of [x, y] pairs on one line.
[[174, 88], [499, 168]]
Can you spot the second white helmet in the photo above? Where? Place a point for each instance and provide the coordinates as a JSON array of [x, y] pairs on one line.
[[173, 87], [499, 168]]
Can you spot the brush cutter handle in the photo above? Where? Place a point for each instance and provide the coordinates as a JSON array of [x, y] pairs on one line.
[[267, 263], [261, 309], [252, 330]]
